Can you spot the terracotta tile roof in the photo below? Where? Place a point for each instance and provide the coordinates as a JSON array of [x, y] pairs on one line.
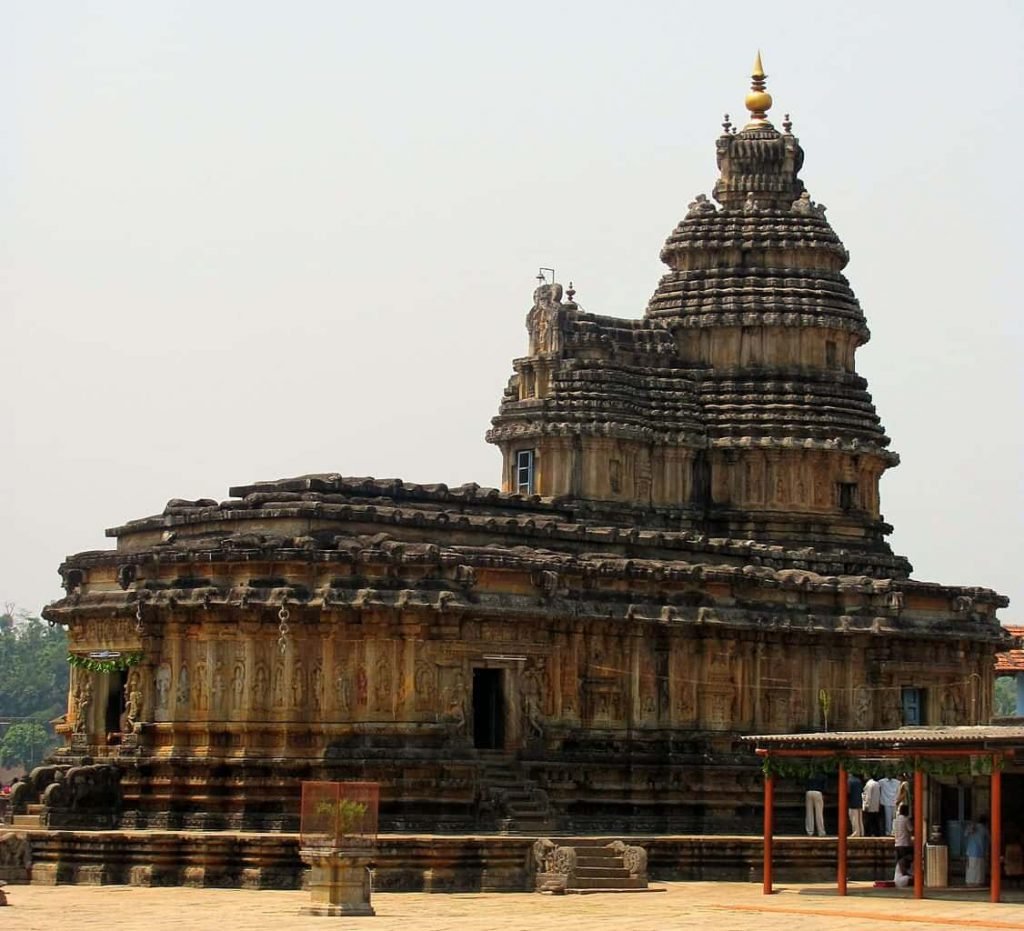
[[1012, 661], [903, 738]]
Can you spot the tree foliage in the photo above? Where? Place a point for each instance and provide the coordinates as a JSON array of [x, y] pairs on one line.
[[33, 680], [24, 744], [1005, 698]]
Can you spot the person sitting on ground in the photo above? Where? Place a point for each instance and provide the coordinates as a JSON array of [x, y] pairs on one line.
[[903, 833], [904, 874]]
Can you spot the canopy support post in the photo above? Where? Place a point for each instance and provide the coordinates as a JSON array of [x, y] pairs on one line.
[[769, 804], [995, 859], [841, 830], [918, 831]]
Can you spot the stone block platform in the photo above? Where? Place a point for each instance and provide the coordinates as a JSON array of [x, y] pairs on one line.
[[417, 863]]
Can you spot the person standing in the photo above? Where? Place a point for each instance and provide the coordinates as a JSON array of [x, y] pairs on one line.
[[977, 851], [814, 804], [903, 833], [872, 808], [854, 803], [888, 788]]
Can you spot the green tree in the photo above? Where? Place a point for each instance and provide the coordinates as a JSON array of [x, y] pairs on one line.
[[1005, 698], [33, 668], [24, 744]]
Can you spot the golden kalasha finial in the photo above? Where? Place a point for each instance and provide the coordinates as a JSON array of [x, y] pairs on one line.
[[758, 101]]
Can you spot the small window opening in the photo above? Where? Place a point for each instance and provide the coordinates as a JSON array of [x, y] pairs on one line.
[[830, 354], [524, 472], [615, 476], [848, 497]]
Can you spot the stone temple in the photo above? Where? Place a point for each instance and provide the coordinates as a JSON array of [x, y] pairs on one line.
[[687, 547]]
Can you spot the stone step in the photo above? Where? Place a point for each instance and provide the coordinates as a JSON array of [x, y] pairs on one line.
[[35, 808], [610, 872], [597, 853], [586, 882], [26, 821]]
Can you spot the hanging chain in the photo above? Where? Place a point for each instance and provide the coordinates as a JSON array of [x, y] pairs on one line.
[[282, 629], [140, 627]]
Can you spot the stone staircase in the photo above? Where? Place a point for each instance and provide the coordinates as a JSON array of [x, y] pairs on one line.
[[614, 867], [518, 806], [31, 819]]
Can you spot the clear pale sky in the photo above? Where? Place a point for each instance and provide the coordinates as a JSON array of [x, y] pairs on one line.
[[245, 240]]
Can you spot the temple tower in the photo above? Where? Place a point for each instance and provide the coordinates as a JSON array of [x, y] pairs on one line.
[[733, 406]]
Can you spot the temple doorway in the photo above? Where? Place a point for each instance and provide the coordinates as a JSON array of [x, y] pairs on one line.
[[115, 701], [488, 709]]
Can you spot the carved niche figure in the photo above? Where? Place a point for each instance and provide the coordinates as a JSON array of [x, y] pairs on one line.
[[643, 480], [382, 685], [952, 706], [453, 698], [544, 321], [298, 684], [425, 685], [533, 699], [163, 686], [342, 688], [238, 687], [134, 687], [133, 711], [218, 687], [362, 687], [200, 694], [862, 707], [260, 683], [316, 687], [279, 684], [183, 687], [83, 701]]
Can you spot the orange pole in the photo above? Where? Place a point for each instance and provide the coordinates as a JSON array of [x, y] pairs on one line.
[[844, 800], [769, 802], [918, 833], [996, 857]]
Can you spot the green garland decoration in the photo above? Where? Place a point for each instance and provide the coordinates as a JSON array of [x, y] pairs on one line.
[[120, 664], [793, 768]]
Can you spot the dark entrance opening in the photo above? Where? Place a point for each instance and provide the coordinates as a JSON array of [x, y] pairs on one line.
[[115, 702], [488, 709]]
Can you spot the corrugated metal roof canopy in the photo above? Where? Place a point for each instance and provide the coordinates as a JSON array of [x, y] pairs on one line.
[[901, 739]]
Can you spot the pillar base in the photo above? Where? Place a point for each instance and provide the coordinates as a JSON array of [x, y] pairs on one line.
[[339, 882]]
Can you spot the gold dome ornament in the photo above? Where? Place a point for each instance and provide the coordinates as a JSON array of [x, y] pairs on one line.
[[758, 101]]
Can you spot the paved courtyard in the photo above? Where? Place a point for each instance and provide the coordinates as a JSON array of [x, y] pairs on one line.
[[707, 905]]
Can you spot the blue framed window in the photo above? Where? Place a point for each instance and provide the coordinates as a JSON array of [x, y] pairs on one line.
[[912, 700]]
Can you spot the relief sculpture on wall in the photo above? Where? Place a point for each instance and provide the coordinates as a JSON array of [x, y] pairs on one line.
[[342, 688], [183, 687], [534, 690], [238, 687], [163, 689], [260, 684], [425, 685]]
